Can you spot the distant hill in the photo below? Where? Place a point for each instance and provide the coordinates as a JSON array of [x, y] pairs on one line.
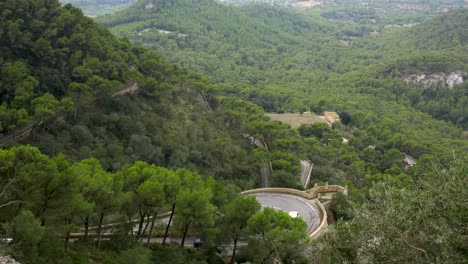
[[279, 58], [227, 43], [94, 8], [409, 5]]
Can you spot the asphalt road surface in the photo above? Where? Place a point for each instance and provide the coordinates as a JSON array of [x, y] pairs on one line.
[[265, 173], [306, 170], [307, 210]]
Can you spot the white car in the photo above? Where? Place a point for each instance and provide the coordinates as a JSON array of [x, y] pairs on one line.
[[294, 214]]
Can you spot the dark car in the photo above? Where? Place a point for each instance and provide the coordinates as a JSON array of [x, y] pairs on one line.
[[197, 242]]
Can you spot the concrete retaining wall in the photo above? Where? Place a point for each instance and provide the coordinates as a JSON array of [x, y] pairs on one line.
[[281, 190], [329, 188], [319, 231], [323, 213]]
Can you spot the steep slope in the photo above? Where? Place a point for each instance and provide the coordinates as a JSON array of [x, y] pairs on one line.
[[228, 43], [443, 32], [434, 52], [63, 73]]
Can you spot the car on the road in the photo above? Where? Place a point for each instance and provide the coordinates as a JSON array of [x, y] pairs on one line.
[[197, 242], [294, 214]]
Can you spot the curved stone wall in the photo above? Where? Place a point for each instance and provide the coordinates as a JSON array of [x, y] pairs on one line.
[[319, 230]]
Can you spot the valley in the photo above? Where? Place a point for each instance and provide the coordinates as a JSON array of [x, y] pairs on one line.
[[145, 107]]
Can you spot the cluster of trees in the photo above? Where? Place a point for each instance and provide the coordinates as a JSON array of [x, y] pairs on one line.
[[49, 52], [44, 199], [369, 155], [66, 92], [420, 221]]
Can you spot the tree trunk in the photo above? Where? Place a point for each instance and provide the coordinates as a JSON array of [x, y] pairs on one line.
[[67, 240], [98, 243], [33, 127], [169, 223], [76, 109], [86, 228], [93, 97], [146, 226], [184, 235], [130, 223], [151, 229], [44, 210], [67, 235], [140, 225], [234, 250], [267, 256]]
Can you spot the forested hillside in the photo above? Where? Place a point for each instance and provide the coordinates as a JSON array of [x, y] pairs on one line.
[[68, 86], [98, 129], [305, 49], [94, 8], [120, 135]]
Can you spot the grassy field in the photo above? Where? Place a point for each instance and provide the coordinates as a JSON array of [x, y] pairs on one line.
[[295, 119]]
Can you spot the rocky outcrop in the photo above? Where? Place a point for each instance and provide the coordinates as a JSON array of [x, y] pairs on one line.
[[331, 117], [7, 260], [150, 4], [447, 80]]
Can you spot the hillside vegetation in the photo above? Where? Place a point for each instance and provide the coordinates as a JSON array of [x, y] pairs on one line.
[[116, 134]]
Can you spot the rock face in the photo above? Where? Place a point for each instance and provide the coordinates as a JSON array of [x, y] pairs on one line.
[[331, 117], [150, 4], [454, 79], [7, 260], [447, 80]]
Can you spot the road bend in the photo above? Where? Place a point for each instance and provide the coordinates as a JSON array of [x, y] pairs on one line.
[[307, 209]]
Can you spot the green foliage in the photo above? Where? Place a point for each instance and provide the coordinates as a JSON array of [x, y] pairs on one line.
[[36, 243], [360, 81], [65, 92], [127, 120], [193, 209], [63, 196], [33, 79], [277, 236], [238, 212], [418, 223], [137, 254], [27, 230], [317, 130]]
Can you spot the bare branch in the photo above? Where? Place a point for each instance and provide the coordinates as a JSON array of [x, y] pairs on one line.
[[10, 181], [10, 202], [419, 249]]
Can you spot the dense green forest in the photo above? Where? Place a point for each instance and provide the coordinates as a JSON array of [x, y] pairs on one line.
[[254, 51], [114, 133]]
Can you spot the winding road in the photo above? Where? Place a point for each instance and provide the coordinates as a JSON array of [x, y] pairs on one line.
[[265, 173], [306, 171], [20, 133], [307, 209]]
